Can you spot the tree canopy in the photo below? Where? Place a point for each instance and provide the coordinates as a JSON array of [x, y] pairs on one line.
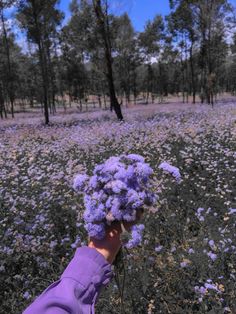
[[97, 57]]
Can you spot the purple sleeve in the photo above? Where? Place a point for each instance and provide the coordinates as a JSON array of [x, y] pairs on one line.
[[77, 290]]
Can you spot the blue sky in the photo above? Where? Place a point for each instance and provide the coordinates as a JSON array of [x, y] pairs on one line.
[[144, 10], [139, 10]]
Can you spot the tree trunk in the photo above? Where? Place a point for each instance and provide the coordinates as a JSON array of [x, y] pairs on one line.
[[192, 74], [80, 105], [51, 78], [147, 98], [44, 73], [10, 89], [1, 102], [183, 88], [99, 101], [104, 99], [102, 21], [45, 86], [153, 98]]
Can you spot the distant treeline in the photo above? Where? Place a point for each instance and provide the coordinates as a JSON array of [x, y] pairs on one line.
[[191, 51]]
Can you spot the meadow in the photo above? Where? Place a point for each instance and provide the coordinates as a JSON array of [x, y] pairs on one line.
[[187, 262]]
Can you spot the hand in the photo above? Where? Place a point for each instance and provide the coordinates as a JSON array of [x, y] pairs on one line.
[[111, 244]]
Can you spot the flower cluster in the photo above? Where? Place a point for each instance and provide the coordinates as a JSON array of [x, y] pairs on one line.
[[118, 188], [174, 171], [206, 287]]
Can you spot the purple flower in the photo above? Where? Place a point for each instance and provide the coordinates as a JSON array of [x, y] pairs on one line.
[[108, 203], [136, 232], [232, 211], [112, 165], [115, 209], [143, 170], [136, 158], [158, 248], [211, 243], [129, 215], [116, 186], [211, 286], [93, 182], [212, 256], [199, 210], [132, 196], [76, 243], [174, 171], [96, 230], [79, 182], [27, 295], [199, 214], [94, 215], [173, 249], [117, 190], [183, 264], [201, 290]]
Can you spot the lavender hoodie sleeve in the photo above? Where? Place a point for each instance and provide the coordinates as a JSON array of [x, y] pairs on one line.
[[77, 290]]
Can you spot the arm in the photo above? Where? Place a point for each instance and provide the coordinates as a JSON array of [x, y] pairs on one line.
[[78, 287], [80, 284]]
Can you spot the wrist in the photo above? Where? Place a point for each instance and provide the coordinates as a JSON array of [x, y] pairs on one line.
[[106, 254]]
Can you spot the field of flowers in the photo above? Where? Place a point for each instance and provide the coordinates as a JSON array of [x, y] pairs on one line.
[[187, 261]]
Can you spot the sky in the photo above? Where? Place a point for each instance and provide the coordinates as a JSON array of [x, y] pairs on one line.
[[139, 10]]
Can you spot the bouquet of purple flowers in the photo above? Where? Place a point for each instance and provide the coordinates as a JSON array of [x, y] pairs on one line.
[[116, 191]]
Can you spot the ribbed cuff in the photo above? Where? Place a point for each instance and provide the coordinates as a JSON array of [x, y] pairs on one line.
[[88, 266]]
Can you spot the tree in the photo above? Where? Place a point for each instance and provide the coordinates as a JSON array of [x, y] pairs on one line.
[[9, 79], [211, 16], [78, 44], [127, 58], [204, 22], [151, 44], [230, 69], [182, 23], [40, 19], [104, 29]]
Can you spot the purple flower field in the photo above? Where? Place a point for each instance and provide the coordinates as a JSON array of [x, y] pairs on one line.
[[187, 260]]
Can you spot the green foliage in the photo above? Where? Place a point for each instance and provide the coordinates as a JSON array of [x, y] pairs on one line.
[[152, 35]]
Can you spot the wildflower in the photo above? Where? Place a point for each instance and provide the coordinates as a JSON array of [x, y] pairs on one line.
[[211, 286], [173, 249], [211, 243], [212, 256], [136, 233], [174, 171], [199, 210], [158, 248], [199, 214], [183, 264], [202, 290], [117, 189], [76, 243], [232, 211], [96, 230], [27, 295], [80, 181]]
